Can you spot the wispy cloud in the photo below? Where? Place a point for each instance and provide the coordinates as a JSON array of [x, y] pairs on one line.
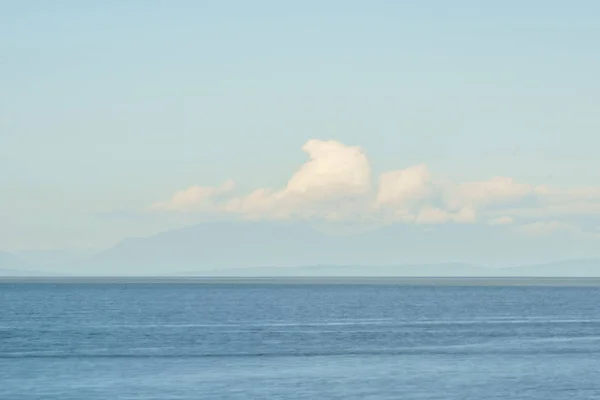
[[541, 228], [502, 221], [195, 198]]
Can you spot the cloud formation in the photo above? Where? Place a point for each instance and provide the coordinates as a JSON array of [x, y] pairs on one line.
[[541, 228], [336, 184], [502, 221], [334, 170], [194, 198], [329, 185]]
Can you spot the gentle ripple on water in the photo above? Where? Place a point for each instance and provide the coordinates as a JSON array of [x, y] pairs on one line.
[[172, 341]]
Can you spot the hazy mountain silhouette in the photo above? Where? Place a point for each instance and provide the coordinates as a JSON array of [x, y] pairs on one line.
[[229, 245], [576, 269], [9, 261], [11, 265], [293, 249], [52, 258]]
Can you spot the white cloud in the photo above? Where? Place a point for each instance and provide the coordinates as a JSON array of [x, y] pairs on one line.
[[584, 194], [401, 187], [465, 215], [194, 198], [333, 170], [432, 215], [540, 228], [548, 209], [403, 194], [505, 220], [486, 193], [336, 184], [329, 185]]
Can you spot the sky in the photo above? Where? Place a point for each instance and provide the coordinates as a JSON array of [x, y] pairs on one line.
[[128, 118]]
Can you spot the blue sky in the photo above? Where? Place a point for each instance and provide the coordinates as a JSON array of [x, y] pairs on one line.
[[108, 109]]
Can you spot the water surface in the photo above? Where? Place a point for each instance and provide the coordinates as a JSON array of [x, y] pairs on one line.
[[270, 341]]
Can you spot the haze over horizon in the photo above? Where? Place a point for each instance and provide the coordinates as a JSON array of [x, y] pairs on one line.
[[297, 249], [428, 132]]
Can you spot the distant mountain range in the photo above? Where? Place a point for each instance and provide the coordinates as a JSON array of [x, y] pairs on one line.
[[286, 249], [575, 269], [11, 265], [22, 273]]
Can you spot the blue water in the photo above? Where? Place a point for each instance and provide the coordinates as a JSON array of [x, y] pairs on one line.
[[178, 341]]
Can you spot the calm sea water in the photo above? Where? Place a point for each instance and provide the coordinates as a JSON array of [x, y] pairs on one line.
[[178, 341]]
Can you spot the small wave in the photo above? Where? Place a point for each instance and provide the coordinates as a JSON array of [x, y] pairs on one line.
[[420, 351], [315, 324]]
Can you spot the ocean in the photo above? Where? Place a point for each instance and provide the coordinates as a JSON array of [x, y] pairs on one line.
[[162, 341]]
